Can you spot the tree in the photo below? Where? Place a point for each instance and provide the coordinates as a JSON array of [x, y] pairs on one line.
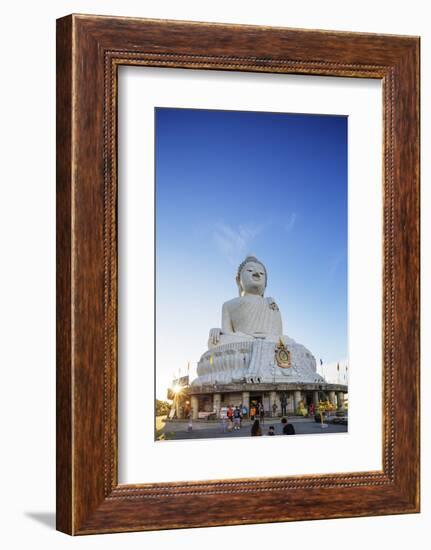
[[162, 407]]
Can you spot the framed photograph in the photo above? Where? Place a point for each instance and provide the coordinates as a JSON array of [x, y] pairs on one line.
[[237, 258]]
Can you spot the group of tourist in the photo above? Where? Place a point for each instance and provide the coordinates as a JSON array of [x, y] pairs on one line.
[[231, 419], [287, 429]]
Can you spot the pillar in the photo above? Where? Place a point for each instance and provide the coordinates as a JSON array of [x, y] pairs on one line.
[[246, 401], [332, 399], [296, 399], [194, 401], [217, 403], [291, 403], [316, 400], [340, 399], [272, 400], [283, 399]]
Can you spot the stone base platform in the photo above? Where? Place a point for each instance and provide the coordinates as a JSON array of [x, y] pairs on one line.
[[286, 397]]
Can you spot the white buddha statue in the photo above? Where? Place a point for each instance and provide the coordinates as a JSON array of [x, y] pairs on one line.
[[250, 345], [250, 316]]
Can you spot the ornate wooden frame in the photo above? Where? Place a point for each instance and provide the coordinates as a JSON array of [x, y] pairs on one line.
[[89, 51]]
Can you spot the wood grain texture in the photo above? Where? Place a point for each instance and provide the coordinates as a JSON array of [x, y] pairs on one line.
[[64, 497], [90, 49]]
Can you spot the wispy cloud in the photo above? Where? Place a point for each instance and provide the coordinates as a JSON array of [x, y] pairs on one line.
[[235, 242], [291, 220]]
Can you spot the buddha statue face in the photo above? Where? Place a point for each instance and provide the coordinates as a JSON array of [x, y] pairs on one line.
[[251, 278]]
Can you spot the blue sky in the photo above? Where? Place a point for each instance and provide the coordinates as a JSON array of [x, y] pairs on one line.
[[232, 183]]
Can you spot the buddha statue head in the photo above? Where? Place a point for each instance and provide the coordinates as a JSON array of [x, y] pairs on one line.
[[251, 277]]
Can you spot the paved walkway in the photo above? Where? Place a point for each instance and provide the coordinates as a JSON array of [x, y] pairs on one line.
[[210, 430]]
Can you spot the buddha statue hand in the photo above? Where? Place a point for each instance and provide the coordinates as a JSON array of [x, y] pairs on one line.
[[272, 304], [214, 336]]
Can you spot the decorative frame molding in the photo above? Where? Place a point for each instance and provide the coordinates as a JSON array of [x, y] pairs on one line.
[[89, 51]]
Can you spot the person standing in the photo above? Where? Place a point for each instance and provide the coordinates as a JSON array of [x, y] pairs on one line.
[[261, 412], [237, 418], [256, 429], [223, 420], [288, 429]]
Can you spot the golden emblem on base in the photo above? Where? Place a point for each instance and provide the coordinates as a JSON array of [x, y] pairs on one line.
[[282, 356]]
